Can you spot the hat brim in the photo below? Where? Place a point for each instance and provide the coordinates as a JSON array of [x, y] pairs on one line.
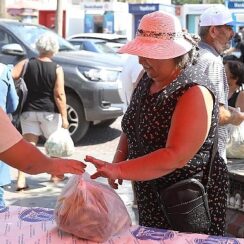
[[235, 23], [156, 49]]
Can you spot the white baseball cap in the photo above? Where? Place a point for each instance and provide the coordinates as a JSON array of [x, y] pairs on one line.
[[216, 15]]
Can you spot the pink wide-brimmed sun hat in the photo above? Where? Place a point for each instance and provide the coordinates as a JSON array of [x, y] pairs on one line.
[[159, 36]]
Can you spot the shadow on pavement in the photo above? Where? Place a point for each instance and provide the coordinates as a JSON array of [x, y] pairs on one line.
[[98, 135], [41, 193], [33, 184]]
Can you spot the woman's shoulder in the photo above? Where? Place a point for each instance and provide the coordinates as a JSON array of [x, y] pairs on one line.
[[194, 75], [240, 98]]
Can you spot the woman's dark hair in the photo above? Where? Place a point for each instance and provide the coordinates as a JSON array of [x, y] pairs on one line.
[[230, 57], [237, 71]]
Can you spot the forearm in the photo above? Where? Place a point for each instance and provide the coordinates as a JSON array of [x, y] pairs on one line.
[[33, 162], [60, 101], [230, 116], [224, 116], [121, 152], [148, 167]]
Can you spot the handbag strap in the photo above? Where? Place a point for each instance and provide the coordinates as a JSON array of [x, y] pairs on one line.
[[24, 69], [213, 149], [213, 154]]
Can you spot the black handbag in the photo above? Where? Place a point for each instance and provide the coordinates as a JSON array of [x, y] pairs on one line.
[[185, 203]]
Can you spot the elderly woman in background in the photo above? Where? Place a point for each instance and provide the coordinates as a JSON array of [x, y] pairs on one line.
[[45, 108], [169, 126]]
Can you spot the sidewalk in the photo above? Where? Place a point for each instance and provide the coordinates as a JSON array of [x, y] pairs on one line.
[[43, 193]]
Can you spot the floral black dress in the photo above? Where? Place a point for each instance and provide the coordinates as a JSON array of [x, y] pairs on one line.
[[156, 111]]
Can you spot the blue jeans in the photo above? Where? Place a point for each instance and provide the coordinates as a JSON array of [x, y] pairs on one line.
[[2, 202]]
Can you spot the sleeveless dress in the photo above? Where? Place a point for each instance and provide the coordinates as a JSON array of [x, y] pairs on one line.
[[156, 112], [233, 98]]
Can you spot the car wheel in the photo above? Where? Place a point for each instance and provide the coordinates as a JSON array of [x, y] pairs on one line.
[[78, 126], [106, 123]]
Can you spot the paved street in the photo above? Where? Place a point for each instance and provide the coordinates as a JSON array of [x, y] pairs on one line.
[[99, 142]]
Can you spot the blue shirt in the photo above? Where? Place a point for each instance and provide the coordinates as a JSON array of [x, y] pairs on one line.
[[8, 97], [8, 102]]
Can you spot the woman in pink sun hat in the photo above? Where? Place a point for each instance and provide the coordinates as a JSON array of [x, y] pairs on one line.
[[168, 130]]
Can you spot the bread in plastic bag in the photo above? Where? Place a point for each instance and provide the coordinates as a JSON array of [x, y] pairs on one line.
[[90, 210], [59, 144], [235, 145]]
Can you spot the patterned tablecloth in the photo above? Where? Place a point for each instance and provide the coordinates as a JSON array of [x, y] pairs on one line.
[[37, 226]]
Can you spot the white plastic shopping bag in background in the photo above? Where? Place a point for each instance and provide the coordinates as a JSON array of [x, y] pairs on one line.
[[59, 144], [235, 145], [90, 210]]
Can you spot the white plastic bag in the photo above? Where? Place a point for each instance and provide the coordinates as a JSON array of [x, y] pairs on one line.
[[90, 210], [235, 145], [59, 144]]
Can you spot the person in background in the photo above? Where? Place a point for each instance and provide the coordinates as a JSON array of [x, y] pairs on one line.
[[44, 110], [216, 33], [157, 148], [235, 76], [229, 53], [20, 154], [8, 102], [131, 71]]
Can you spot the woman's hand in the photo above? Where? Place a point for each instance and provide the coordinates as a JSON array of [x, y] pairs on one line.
[[62, 166], [65, 123], [106, 170], [113, 183]]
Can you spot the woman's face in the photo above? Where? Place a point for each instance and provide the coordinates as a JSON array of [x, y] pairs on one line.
[[158, 69], [230, 78]]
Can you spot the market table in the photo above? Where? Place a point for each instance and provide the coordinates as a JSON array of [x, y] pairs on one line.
[[36, 225]]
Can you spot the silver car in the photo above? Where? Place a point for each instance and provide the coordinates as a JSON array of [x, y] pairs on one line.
[[91, 79]]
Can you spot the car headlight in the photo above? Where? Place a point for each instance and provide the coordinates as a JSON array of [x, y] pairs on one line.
[[101, 75]]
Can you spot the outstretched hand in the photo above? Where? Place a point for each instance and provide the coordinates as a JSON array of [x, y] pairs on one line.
[[104, 169], [63, 166]]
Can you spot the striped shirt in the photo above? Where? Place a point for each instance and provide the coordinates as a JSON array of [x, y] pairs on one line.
[[212, 64]]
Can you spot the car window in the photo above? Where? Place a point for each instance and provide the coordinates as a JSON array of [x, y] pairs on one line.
[[103, 48], [120, 40], [78, 46], [30, 33], [5, 38]]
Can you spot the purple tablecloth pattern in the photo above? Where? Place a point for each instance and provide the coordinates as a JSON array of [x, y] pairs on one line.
[[37, 226]]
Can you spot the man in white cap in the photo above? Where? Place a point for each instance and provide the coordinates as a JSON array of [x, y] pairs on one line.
[[216, 33]]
